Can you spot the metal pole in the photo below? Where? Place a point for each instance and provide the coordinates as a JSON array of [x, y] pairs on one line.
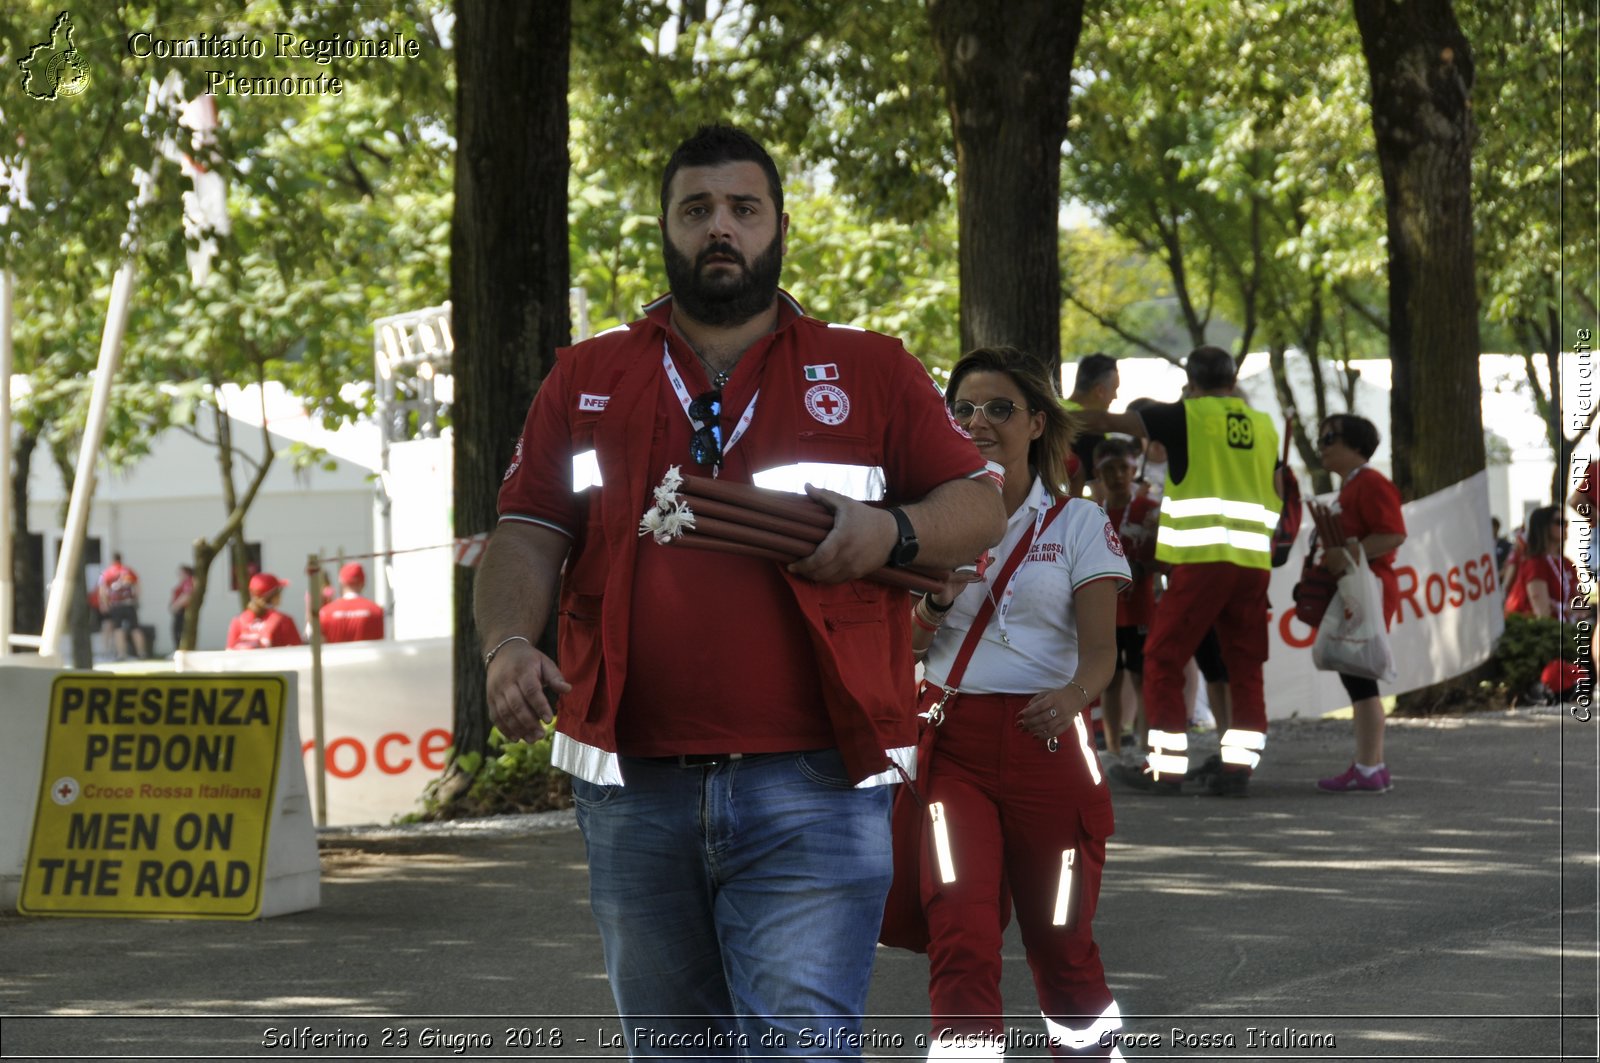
[[318, 744], [383, 369], [7, 595], [66, 579]]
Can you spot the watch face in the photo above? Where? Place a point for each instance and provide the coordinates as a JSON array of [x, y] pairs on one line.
[[905, 547]]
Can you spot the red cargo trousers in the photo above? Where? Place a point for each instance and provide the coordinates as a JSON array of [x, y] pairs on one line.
[[1233, 599], [1008, 814]]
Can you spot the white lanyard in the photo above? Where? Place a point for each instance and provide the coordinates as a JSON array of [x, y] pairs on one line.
[[1559, 592], [682, 391], [1043, 501]]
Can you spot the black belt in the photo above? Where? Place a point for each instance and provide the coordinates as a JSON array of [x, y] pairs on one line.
[[707, 760]]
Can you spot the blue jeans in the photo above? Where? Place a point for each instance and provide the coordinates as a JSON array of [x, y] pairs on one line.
[[738, 904]]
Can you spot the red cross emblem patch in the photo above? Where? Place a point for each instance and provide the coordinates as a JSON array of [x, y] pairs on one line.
[[1114, 541], [828, 404], [516, 460]]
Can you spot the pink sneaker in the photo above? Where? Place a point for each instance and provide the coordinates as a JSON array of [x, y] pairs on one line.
[[1351, 781]]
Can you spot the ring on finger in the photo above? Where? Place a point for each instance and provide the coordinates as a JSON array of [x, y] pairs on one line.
[[1052, 714]]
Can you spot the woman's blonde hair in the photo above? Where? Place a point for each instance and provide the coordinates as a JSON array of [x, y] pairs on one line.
[[1047, 454]]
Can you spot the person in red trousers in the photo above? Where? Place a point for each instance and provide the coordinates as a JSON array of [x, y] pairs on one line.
[[1019, 811]]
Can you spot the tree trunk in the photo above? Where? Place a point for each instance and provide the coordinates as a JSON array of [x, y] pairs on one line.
[[1545, 339], [1300, 429], [203, 556], [1420, 66], [238, 507], [80, 625], [1007, 76], [508, 271], [27, 554]]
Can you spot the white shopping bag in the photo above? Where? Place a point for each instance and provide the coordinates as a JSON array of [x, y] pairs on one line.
[[1353, 638]]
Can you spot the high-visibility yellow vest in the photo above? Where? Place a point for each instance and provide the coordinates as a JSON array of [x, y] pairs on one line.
[[1225, 508]]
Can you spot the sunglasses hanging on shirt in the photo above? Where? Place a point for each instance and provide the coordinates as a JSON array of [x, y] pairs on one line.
[[705, 446]]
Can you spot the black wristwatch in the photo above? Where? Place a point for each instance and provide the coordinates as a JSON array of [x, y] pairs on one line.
[[905, 548]]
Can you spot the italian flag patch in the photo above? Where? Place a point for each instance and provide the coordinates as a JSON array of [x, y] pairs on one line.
[[829, 371]]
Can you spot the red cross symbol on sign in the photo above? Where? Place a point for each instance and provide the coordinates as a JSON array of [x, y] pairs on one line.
[[827, 404], [64, 790]]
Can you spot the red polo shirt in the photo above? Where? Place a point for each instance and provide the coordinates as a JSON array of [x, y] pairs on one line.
[[719, 656], [354, 619]]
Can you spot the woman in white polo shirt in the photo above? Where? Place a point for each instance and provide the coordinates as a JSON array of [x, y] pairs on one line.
[[1019, 811]]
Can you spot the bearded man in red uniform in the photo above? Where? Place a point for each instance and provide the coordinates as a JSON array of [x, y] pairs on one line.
[[730, 724]]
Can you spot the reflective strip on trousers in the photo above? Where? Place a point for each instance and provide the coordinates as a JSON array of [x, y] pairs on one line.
[[864, 483], [1086, 749], [941, 842], [1242, 747], [1109, 1021], [1169, 753], [1063, 913]]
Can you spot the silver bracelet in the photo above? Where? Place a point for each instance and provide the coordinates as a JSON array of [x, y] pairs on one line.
[[1081, 690], [489, 657]]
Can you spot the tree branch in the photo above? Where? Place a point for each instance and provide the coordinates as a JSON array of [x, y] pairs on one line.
[[358, 178], [1362, 310], [1110, 323], [1583, 298]]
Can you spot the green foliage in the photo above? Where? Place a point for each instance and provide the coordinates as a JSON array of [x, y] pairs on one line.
[[338, 207], [829, 87], [1533, 170], [1121, 298], [876, 272], [1534, 193], [840, 85], [1529, 643], [515, 777], [1249, 180], [338, 204]]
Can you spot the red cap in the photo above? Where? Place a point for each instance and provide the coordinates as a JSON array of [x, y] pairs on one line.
[[264, 583], [353, 575]]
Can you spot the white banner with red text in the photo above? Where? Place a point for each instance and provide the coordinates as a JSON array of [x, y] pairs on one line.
[[1451, 605], [386, 718]]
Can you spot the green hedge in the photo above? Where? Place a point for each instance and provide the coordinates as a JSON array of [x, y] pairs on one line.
[[1529, 643]]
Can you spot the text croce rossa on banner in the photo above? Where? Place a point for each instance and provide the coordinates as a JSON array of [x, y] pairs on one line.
[[1451, 605]]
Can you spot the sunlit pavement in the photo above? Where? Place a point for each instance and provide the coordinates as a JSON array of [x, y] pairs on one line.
[[1452, 918]]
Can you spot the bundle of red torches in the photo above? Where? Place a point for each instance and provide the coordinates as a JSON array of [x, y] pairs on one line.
[[739, 518]]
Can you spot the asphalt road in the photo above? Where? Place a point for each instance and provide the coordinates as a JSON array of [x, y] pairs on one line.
[[1453, 918]]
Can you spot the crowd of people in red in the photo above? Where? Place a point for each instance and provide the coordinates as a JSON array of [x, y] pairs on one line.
[[344, 616]]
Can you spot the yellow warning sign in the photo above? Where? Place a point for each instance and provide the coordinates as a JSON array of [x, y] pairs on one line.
[[155, 797]]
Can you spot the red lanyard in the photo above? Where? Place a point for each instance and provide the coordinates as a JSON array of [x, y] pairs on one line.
[[969, 646]]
